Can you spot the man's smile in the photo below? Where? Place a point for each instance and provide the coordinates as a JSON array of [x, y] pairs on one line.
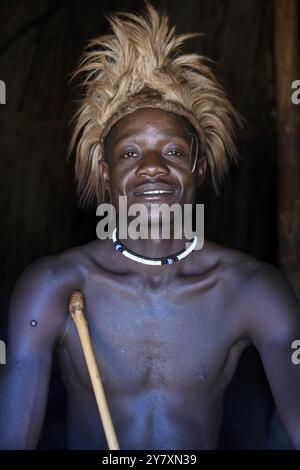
[[151, 190]]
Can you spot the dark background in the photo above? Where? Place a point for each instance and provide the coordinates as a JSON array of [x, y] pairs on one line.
[[40, 43]]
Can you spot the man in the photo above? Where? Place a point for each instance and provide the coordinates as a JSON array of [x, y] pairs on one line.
[[167, 337]]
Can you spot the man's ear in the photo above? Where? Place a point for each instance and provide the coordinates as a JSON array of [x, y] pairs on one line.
[[104, 170], [201, 169]]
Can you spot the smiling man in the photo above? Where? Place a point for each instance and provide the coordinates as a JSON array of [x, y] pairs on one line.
[[167, 336], [158, 188]]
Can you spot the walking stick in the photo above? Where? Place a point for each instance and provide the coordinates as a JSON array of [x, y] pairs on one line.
[[76, 308]]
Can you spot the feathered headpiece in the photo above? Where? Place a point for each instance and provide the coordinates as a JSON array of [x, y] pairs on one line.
[[140, 65]]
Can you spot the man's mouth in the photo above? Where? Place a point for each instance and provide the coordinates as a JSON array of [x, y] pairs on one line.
[[154, 192], [147, 190]]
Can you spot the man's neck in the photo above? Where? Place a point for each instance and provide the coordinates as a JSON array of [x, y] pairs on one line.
[[154, 248]]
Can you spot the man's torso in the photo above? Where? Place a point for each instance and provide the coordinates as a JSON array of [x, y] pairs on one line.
[[166, 351]]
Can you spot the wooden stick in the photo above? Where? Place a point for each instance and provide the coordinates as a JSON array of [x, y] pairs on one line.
[[76, 308]]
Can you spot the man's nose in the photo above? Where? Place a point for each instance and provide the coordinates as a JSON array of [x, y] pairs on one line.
[[152, 163]]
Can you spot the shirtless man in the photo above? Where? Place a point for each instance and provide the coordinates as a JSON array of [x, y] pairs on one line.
[[167, 338]]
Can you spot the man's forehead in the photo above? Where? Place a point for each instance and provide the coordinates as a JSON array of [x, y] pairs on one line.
[[147, 120]]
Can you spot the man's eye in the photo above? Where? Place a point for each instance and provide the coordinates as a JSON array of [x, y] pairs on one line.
[[175, 153], [130, 154]]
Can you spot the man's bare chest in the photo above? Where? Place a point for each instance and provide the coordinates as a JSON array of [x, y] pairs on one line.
[[170, 338]]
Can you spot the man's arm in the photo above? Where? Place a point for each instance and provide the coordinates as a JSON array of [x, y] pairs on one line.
[[273, 315], [35, 320]]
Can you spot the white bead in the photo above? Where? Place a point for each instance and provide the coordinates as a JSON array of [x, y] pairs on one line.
[[139, 259]]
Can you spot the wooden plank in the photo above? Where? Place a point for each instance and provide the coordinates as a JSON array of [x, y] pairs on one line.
[[287, 70]]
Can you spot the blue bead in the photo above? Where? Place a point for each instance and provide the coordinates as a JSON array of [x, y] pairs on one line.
[[119, 247]]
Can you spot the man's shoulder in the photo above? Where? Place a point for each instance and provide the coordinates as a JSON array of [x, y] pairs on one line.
[[42, 291], [70, 263], [247, 273], [261, 293], [258, 292], [52, 278], [235, 263]]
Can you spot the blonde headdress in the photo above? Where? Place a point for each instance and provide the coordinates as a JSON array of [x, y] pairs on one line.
[[138, 65]]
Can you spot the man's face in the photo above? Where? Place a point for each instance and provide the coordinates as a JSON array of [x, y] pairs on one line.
[[149, 151]]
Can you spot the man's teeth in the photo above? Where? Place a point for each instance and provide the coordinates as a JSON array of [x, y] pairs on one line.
[[156, 191]]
